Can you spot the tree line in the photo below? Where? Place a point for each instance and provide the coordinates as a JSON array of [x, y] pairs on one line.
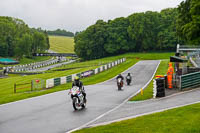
[[18, 40], [141, 32], [60, 32]]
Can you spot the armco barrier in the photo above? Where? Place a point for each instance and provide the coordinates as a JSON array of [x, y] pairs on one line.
[[66, 79], [190, 80]]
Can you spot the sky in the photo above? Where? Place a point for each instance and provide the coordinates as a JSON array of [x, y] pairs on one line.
[[77, 15]]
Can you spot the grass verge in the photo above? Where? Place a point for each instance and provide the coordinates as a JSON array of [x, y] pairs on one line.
[[180, 120], [148, 91]]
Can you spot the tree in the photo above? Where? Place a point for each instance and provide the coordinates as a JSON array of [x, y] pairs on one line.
[[24, 46], [39, 42], [14, 34], [167, 38], [117, 39], [188, 22], [89, 44], [139, 32]]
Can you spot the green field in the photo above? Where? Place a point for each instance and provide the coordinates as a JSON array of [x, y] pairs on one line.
[[7, 84], [148, 91], [180, 120], [61, 44]]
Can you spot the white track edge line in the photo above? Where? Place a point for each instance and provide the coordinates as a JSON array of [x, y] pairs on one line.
[[130, 117], [85, 125], [166, 97]]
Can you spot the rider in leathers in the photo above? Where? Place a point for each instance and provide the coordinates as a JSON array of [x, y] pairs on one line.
[[120, 76], [128, 78], [79, 84]]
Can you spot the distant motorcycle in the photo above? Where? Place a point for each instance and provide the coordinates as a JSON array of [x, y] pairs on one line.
[[78, 100], [119, 83], [128, 80]]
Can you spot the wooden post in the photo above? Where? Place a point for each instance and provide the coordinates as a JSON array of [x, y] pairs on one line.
[[31, 85], [15, 88]]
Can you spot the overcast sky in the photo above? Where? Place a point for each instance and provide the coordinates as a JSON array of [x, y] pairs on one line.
[[76, 15]]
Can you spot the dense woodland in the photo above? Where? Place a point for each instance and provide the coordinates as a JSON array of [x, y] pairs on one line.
[[142, 32], [18, 40]]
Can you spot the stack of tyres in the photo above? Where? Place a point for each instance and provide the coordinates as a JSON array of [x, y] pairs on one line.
[[160, 84]]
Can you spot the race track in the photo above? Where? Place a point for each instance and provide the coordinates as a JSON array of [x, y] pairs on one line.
[[53, 113]]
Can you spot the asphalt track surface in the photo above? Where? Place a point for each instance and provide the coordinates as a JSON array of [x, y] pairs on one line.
[[53, 113], [140, 108]]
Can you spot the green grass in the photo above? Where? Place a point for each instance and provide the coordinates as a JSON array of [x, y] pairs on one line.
[[180, 120], [148, 91], [61, 44], [7, 84]]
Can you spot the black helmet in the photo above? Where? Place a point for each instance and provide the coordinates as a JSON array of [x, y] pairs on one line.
[[129, 74]]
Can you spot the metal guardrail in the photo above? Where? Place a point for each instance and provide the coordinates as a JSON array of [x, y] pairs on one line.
[[56, 54], [187, 48], [190, 80]]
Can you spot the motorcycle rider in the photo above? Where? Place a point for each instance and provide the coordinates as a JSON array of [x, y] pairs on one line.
[[79, 84], [128, 78], [120, 76]]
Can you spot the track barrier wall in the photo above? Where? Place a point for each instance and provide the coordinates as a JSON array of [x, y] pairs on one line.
[[66, 79], [190, 80]]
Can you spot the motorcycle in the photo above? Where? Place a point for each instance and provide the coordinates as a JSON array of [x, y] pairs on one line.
[[119, 83], [78, 100], [128, 80]]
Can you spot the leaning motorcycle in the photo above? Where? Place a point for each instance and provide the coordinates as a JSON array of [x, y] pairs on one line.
[[119, 83], [78, 100]]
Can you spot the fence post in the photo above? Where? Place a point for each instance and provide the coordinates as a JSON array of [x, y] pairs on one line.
[[180, 83], [15, 88], [31, 85]]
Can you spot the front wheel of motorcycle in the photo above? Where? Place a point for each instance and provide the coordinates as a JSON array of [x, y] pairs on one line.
[[119, 87], [75, 102]]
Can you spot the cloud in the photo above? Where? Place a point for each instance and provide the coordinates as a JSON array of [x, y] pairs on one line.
[[76, 15]]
